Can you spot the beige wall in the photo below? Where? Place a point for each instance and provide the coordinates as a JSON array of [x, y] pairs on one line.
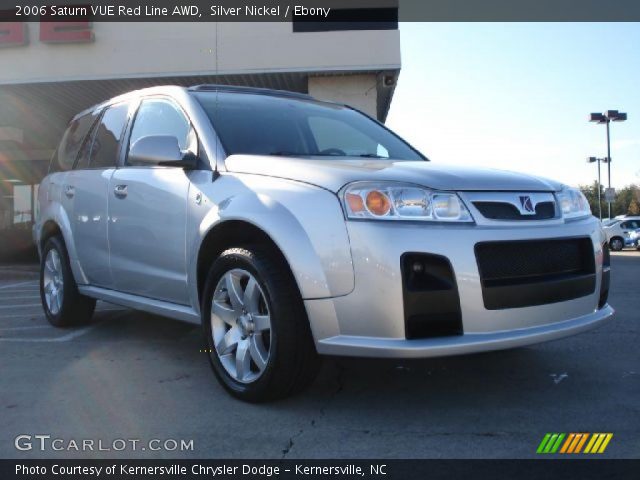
[[123, 50], [359, 91]]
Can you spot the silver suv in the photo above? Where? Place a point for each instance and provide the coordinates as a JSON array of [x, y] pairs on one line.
[[289, 227]]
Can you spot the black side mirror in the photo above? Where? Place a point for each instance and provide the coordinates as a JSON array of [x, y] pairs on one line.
[[162, 150]]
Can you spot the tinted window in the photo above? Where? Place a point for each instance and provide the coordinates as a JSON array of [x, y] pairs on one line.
[[104, 150], [161, 117], [630, 224], [71, 142], [264, 125]]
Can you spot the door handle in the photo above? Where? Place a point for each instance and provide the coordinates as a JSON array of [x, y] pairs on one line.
[[120, 191], [69, 191]]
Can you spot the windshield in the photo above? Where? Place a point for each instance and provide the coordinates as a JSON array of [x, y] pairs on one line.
[[270, 125]]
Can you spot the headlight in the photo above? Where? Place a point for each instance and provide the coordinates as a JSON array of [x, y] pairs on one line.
[[393, 201], [573, 203]]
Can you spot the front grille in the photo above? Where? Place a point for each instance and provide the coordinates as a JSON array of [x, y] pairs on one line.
[[508, 211], [535, 272]]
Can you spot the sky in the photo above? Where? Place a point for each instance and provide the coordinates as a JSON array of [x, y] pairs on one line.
[[517, 96]]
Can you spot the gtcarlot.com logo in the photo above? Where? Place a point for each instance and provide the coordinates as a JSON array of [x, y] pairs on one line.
[[45, 443], [574, 443]]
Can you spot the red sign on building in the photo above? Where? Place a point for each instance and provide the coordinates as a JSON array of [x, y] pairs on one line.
[[13, 34]]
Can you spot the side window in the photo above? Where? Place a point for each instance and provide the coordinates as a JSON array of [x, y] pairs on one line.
[[158, 116], [104, 149], [71, 142]]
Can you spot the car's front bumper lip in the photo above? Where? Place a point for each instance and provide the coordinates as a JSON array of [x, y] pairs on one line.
[[457, 345]]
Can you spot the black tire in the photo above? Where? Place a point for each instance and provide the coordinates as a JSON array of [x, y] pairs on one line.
[[292, 362], [616, 244], [76, 309]]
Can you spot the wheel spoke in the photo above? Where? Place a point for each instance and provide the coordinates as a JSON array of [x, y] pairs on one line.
[[258, 352], [235, 291], [228, 341], [54, 303], [243, 360], [261, 322], [227, 315], [252, 296], [49, 263], [59, 297], [56, 261]]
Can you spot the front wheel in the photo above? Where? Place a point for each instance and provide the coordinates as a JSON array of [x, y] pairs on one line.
[[258, 336], [63, 305], [616, 244]]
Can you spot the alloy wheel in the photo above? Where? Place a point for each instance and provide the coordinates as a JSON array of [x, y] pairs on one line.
[[241, 325], [53, 282]]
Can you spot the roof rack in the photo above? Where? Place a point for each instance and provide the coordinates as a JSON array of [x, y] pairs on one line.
[[251, 90]]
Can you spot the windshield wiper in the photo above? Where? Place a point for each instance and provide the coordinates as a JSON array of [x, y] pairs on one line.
[[371, 155]]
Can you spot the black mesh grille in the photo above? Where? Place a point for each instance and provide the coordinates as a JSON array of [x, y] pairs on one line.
[[511, 260], [507, 211], [535, 272]]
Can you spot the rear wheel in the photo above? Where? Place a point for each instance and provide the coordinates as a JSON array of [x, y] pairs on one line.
[[616, 244], [63, 305], [259, 342]]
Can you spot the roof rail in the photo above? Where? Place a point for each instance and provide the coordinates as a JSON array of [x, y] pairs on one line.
[[251, 90]]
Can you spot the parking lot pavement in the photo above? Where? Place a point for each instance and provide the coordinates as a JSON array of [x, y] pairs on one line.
[[131, 375]]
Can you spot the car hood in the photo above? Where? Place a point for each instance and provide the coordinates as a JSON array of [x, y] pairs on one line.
[[333, 174]]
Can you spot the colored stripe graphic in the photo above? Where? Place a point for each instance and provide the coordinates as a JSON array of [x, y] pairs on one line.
[[581, 443], [570, 438], [573, 443], [543, 443], [605, 443], [551, 443]]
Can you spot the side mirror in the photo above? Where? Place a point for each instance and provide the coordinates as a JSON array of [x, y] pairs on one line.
[[162, 150]]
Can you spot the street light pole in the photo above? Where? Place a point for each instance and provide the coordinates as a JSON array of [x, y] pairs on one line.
[[599, 184], [600, 199], [608, 117], [608, 162]]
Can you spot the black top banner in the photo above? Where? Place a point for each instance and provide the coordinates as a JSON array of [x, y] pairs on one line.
[[386, 12]]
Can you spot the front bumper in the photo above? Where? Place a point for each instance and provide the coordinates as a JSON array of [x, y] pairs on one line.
[[348, 345], [370, 320]]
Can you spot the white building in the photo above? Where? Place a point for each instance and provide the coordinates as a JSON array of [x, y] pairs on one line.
[[49, 72]]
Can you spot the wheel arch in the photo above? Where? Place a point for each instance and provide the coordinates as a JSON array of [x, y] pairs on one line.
[[49, 229], [233, 233]]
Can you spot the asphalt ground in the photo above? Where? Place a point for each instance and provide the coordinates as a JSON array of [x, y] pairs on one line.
[[133, 376]]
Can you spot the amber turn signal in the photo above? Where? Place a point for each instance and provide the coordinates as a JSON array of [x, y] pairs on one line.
[[378, 203]]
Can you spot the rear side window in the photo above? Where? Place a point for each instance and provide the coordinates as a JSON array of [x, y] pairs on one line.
[[106, 139], [71, 143]]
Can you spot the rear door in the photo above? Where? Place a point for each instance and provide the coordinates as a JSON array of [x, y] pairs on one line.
[[148, 209], [88, 186], [57, 187]]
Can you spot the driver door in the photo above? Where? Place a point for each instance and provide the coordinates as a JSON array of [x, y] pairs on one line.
[[148, 211]]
